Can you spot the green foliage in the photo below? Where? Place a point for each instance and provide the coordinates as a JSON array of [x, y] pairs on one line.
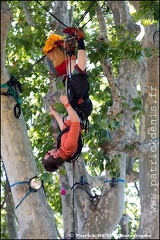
[[150, 9], [113, 166], [148, 13], [137, 109], [4, 231], [24, 47]]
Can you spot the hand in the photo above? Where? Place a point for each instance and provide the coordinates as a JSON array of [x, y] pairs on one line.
[[63, 99], [52, 111]]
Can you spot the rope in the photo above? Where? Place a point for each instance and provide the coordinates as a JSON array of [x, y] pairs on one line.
[[12, 91], [24, 195], [52, 14], [85, 13], [8, 192], [72, 234], [79, 21], [31, 189], [114, 181], [31, 67]]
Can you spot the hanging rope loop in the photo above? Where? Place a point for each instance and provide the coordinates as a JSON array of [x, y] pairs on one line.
[[17, 110]]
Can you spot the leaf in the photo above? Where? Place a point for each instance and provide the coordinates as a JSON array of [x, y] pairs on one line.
[[108, 135], [129, 147]]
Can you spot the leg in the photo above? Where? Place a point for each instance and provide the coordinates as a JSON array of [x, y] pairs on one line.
[[82, 59], [82, 55], [78, 34]]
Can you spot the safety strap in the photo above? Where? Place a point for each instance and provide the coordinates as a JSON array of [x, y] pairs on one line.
[[114, 181], [12, 85], [31, 189]]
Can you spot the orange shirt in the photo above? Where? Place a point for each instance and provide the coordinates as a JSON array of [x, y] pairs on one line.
[[69, 140]]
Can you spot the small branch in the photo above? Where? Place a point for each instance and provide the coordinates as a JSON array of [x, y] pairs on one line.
[[103, 30], [107, 68], [135, 5], [122, 9], [26, 11], [132, 176], [117, 103], [116, 138]]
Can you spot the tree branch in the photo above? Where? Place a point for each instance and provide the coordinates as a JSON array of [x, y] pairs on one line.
[[117, 103], [116, 138], [135, 5], [121, 9], [107, 68], [26, 11], [132, 176], [102, 24]]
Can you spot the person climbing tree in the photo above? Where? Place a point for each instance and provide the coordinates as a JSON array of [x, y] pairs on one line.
[[62, 62], [77, 103]]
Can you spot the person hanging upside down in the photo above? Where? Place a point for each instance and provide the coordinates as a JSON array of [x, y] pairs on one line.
[[77, 103], [69, 142]]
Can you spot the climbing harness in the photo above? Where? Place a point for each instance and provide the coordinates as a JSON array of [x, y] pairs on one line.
[[34, 185], [13, 87], [76, 155]]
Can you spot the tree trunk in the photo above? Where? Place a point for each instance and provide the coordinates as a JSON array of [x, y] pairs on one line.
[[11, 218], [149, 163], [34, 215]]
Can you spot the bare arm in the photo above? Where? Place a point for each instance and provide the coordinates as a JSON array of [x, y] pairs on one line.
[[71, 112], [57, 117]]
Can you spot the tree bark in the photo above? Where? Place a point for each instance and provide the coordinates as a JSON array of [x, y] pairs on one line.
[[149, 164], [34, 212], [11, 218]]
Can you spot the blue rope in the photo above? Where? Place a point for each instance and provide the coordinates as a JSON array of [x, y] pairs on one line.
[[19, 183], [118, 180], [31, 190], [13, 93], [23, 199]]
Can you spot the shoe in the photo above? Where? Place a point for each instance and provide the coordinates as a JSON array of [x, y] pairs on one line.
[[59, 42], [75, 32]]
